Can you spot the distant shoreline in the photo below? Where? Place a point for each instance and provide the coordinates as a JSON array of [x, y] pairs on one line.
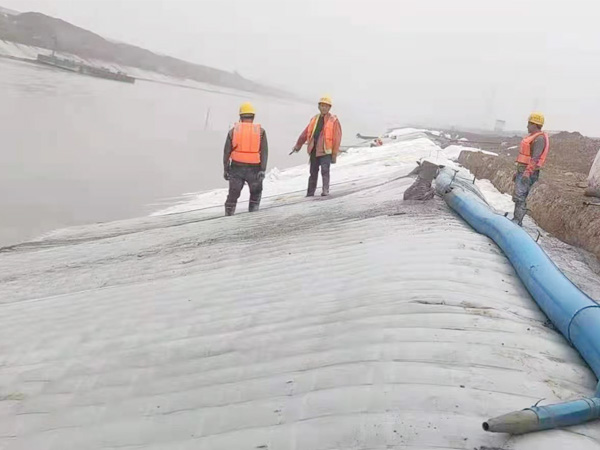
[[33, 33], [172, 82]]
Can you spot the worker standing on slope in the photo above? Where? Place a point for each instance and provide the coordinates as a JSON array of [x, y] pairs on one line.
[[245, 160], [323, 136], [532, 156]]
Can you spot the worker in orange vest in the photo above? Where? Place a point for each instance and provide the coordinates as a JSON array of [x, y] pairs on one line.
[[245, 159], [376, 143], [323, 136], [532, 156]]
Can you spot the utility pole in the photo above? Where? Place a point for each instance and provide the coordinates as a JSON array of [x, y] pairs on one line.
[[55, 39], [207, 119]]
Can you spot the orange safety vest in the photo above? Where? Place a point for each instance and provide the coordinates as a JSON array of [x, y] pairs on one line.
[[525, 151], [327, 132], [246, 143]]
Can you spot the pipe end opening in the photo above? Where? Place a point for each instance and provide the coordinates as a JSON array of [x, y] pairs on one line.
[[486, 426]]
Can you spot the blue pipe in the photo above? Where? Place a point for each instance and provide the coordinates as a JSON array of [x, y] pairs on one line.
[[571, 311]]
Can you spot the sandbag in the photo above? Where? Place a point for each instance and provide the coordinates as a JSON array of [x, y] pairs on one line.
[[593, 189], [421, 189]]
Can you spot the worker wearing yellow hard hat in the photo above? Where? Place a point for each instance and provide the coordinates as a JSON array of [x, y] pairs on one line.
[[537, 118], [247, 109], [323, 135], [532, 157], [326, 100], [245, 159]]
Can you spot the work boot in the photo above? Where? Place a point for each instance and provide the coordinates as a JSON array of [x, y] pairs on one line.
[[520, 212], [229, 210], [253, 207], [325, 190]]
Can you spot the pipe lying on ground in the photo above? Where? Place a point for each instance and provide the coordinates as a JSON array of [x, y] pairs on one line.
[[571, 311]]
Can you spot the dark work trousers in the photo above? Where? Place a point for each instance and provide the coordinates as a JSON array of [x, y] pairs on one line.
[[238, 176], [523, 186], [316, 162]]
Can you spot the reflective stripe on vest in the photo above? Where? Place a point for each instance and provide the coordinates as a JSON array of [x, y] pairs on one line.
[[327, 132], [525, 150], [246, 143]]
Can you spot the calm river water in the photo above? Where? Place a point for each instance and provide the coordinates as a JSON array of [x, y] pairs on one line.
[[76, 150]]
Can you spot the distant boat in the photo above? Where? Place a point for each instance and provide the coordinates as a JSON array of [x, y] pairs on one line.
[[61, 63], [367, 138], [84, 69]]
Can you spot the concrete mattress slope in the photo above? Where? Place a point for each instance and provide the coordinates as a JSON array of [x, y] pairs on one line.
[[356, 322]]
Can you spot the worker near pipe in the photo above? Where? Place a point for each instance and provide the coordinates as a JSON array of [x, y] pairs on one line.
[[532, 157], [245, 159], [323, 135]]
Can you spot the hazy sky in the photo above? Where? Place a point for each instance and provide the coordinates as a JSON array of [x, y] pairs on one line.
[[462, 62]]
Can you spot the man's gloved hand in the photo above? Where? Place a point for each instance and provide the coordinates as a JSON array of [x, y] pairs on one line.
[[333, 158], [526, 175], [226, 175], [261, 175]]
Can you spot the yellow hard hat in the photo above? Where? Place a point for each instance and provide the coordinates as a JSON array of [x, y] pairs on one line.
[[326, 99], [247, 108], [537, 118]]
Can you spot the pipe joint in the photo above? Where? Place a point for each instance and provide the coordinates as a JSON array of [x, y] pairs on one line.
[[539, 418], [574, 317]]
